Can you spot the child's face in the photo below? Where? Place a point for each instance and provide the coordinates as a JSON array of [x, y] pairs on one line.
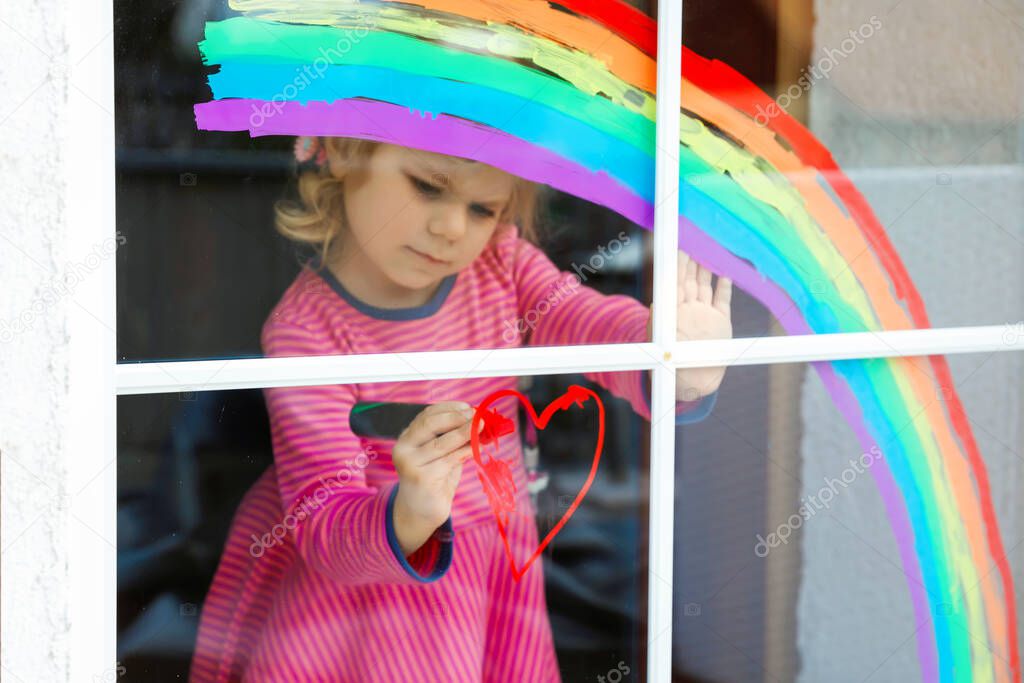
[[407, 205]]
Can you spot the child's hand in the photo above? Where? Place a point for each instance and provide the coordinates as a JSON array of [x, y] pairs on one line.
[[428, 457], [702, 314]]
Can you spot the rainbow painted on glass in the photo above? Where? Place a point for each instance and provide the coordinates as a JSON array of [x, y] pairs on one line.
[[567, 98]]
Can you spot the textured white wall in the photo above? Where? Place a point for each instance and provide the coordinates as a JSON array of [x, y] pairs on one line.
[[33, 343], [925, 115], [56, 341]]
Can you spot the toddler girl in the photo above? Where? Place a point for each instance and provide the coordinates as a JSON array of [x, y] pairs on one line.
[[355, 559]]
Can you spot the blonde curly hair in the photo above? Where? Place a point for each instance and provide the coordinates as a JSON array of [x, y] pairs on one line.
[[317, 217]]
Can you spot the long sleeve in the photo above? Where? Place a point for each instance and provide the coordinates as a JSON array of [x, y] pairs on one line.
[[687, 412], [556, 309], [341, 526]]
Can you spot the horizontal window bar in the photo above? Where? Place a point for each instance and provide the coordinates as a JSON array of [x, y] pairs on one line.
[[252, 373], [813, 347], [208, 375]]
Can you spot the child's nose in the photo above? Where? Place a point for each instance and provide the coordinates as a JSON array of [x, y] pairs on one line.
[[449, 221]]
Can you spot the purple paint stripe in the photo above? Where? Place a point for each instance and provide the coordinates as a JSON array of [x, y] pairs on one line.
[[898, 521], [447, 135], [712, 255], [385, 122]]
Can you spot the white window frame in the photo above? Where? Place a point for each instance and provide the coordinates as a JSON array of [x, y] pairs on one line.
[[97, 379]]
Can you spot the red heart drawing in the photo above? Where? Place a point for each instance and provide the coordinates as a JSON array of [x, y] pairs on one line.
[[496, 476]]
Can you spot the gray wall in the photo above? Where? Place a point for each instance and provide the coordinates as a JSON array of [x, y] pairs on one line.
[[925, 117]]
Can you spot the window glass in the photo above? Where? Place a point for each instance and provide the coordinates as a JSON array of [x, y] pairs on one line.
[[408, 178], [206, 539], [828, 523], [848, 179]]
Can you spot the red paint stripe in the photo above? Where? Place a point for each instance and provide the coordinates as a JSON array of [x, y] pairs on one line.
[[623, 19]]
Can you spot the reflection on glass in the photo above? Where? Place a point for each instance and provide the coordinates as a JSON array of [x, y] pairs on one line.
[[852, 521], [304, 545], [404, 217], [843, 203]]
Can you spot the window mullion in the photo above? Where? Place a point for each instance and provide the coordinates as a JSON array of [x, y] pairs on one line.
[[88, 504], [666, 235]]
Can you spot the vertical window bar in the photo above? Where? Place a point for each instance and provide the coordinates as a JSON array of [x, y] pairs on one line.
[[90, 486], [666, 232]]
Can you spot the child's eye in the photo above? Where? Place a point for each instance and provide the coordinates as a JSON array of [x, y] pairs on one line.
[[424, 188], [481, 210], [433, 191]]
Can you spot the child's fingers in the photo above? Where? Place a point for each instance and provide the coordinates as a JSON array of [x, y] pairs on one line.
[[723, 295], [682, 259], [704, 292], [690, 281], [455, 457], [448, 407], [436, 420], [463, 454], [444, 444]]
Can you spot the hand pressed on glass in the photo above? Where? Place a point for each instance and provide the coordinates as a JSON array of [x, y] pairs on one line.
[[702, 312]]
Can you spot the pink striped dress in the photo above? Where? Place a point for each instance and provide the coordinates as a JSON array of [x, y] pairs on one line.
[[312, 585]]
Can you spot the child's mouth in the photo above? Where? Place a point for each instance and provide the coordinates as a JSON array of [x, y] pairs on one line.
[[427, 257]]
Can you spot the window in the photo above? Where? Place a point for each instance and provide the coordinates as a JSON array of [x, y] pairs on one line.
[[184, 346]]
